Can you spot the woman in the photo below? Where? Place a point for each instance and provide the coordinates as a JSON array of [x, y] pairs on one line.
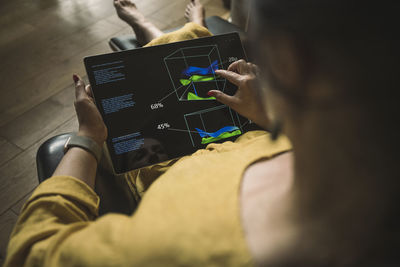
[[329, 201]]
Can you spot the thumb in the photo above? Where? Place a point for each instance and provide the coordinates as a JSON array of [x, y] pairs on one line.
[[223, 98], [79, 87]]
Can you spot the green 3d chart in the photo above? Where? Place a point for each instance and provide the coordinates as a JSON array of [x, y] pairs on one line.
[[204, 129]]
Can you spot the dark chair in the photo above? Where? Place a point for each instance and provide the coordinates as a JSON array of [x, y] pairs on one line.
[[49, 155], [215, 24]]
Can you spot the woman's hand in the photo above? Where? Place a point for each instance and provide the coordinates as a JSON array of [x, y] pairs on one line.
[[247, 101], [90, 121]]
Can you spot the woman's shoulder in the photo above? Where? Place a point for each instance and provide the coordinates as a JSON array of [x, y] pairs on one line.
[[264, 195]]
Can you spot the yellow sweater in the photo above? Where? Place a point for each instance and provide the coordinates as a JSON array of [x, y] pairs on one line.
[[189, 216]]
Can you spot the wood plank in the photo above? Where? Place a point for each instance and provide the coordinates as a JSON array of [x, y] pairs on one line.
[[7, 222], [13, 71], [37, 89], [79, 31], [33, 125], [125, 31], [18, 10], [53, 25], [14, 31], [177, 23], [162, 24], [43, 54], [68, 26], [114, 19], [171, 12], [149, 7], [18, 176], [49, 26], [8, 150], [80, 41]]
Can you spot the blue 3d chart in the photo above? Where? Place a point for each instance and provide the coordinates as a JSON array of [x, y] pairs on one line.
[[192, 72]]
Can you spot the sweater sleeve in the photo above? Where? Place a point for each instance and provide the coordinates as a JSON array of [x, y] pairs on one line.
[[58, 208]]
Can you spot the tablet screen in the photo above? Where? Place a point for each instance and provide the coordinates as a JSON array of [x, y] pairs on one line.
[[154, 100]]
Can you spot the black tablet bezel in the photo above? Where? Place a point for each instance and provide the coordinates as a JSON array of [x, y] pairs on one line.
[[116, 162]]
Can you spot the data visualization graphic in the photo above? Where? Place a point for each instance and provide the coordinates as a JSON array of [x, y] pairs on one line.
[[192, 72], [203, 128], [155, 103]]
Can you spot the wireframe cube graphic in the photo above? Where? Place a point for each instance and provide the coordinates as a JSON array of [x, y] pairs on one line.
[[192, 72], [203, 128]]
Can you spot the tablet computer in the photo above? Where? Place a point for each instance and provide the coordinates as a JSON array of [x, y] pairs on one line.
[[154, 100]]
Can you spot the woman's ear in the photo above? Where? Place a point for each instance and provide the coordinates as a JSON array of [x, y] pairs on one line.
[[287, 61]]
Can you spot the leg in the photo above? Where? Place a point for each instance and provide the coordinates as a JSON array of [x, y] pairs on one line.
[[140, 180], [195, 13], [145, 31]]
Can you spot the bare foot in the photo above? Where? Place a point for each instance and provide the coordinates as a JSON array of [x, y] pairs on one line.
[[145, 31], [195, 12], [128, 12]]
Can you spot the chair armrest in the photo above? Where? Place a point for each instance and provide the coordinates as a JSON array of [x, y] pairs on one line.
[[124, 42], [49, 156], [217, 25]]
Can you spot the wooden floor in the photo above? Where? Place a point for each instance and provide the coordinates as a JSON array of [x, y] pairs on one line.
[[42, 42]]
